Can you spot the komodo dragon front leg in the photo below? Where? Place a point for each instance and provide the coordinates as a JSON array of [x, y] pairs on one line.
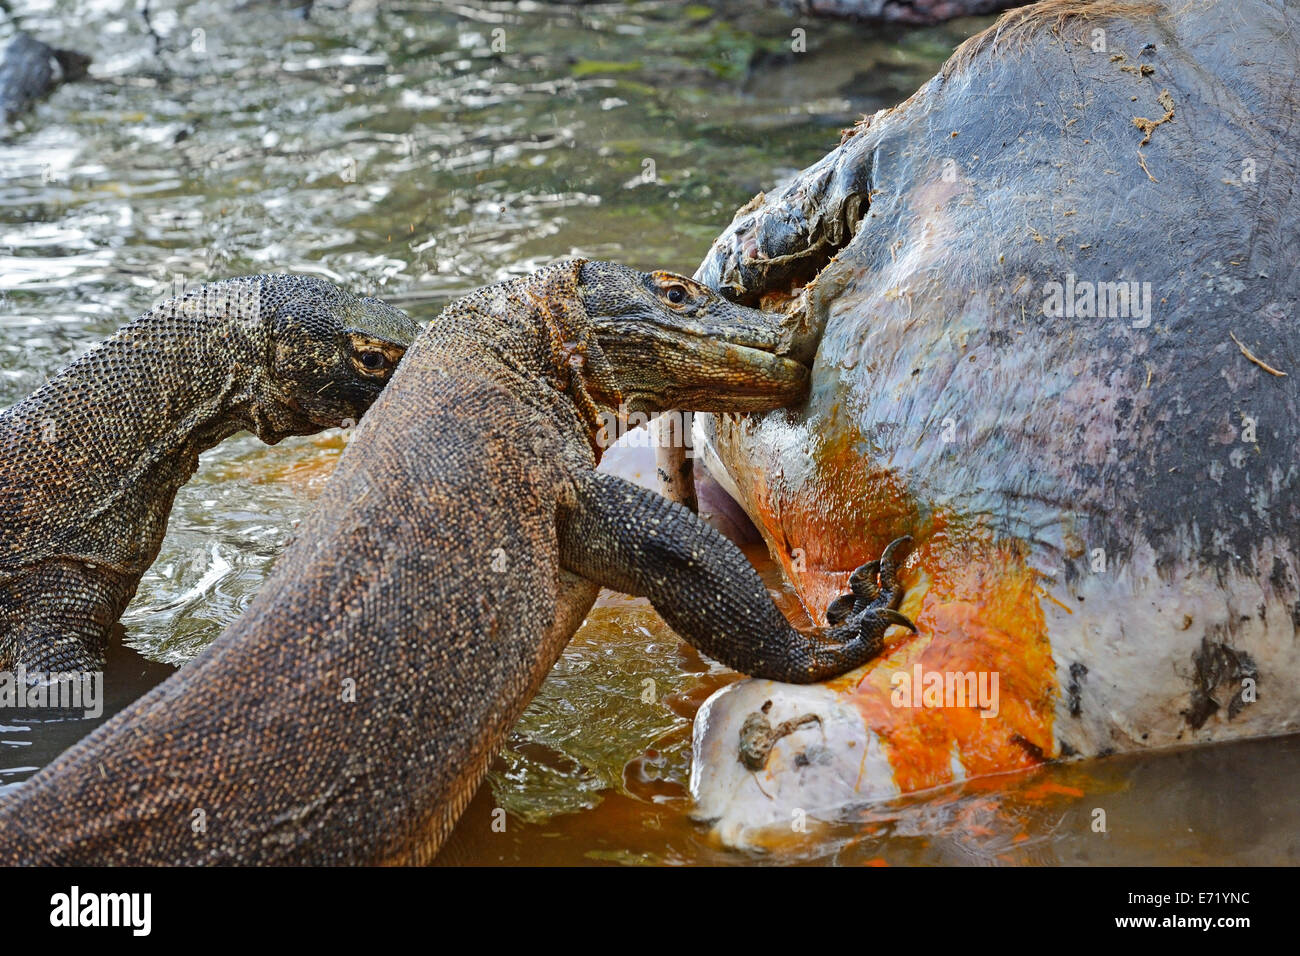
[[638, 542]]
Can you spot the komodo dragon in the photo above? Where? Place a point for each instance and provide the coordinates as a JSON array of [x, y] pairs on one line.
[[349, 715], [91, 462]]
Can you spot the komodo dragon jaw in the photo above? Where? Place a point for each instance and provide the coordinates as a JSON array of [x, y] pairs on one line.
[[91, 462], [672, 343]]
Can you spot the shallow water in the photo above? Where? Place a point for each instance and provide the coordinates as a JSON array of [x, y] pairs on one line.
[[411, 150]]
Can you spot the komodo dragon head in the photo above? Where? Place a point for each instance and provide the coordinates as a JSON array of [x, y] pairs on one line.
[[91, 462], [329, 355], [670, 342]]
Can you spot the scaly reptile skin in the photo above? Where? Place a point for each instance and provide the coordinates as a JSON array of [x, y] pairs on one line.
[[350, 714], [91, 462]]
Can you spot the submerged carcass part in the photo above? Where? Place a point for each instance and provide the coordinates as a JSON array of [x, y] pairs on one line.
[[1047, 350]]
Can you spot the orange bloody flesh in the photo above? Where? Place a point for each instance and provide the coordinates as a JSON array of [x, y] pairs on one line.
[[981, 618], [303, 466], [819, 538], [975, 602]]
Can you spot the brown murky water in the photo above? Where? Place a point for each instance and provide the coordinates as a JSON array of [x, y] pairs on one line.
[[417, 150]]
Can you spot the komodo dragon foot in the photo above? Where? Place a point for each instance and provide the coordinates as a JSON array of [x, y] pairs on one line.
[[874, 588]]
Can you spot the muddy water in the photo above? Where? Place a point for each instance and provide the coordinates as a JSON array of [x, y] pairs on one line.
[[417, 150]]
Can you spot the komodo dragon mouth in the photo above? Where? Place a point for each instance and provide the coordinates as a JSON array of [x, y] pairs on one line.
[[676, 343], [745, 368]]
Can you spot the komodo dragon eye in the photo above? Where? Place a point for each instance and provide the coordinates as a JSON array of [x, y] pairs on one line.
[[676, 294], [372, 357], [373, 362]]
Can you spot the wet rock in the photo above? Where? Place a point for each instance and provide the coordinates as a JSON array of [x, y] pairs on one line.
[[30, 69]]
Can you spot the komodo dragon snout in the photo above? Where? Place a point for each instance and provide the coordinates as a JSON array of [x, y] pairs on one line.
[[670, 342], [90, 463]]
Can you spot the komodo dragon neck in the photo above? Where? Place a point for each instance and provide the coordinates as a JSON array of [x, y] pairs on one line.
[[137, 439], [540, 347]]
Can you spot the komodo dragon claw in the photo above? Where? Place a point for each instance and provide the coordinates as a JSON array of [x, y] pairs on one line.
[[874, 591]]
